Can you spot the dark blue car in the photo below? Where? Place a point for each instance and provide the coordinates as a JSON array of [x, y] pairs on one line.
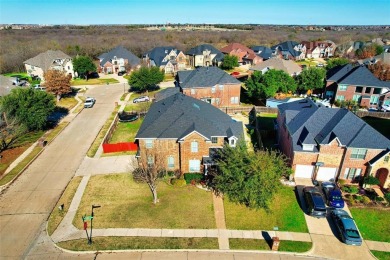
[[346, 227], [333, 195]]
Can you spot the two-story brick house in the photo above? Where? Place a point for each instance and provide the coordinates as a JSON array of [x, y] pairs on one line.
[[167, 58], [117, 60], [244, 54], [49, 60], [287, 50], [210, 84], [316, 49], [204, 55], [356, 83], [327, 143], [184, 132]]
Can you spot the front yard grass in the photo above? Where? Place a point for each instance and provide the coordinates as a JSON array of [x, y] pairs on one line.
[[118, 243], [140, 107], [56, 215], [260, 244], [382, 125], [373, 224], [79, 82], [381, 255], [67, 102], [125, 132], [126, 204], [284, 213]]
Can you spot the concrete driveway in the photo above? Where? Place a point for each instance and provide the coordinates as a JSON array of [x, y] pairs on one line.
[[324, 234], [27, 203]]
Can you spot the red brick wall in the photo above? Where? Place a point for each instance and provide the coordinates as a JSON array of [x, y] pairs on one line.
[[164, 148], [224, 95]]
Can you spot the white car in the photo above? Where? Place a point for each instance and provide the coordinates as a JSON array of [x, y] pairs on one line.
[[39, 87], [386, 108], [141, 99], [89, 102]]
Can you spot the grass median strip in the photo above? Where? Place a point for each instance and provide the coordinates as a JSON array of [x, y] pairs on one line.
[[118, 243], [57, 215], [284, 213], [126, 204], [381, 255], [259, 244], [80, 82]]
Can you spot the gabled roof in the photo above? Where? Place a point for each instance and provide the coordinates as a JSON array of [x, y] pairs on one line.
[[166, 93], [119, 52], [236, 48], [310, 124], [287, 47], [204, 77], [358, 75], [159, 53], [179, 115], [198, 50], [262, 51], [44, 60], [287, 66], [379, 156]]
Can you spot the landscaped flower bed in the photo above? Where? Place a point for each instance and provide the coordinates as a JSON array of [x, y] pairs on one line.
[[356, 196]]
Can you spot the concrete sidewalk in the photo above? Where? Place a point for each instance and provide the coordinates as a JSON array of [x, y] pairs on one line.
[[106, 165]]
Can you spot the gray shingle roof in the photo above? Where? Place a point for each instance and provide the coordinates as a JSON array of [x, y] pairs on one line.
[[198, 50], [119, 52], [309, 124], [262, 51], [204, 77], [287, 48], [166, 93], [178, 115], [158, 54], [44, 60]]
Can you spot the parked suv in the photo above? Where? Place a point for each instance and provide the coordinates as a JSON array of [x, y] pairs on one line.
[[314, 202], [332, 194], [89, 102]]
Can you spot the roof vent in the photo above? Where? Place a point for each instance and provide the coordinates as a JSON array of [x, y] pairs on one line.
[[196, 106]]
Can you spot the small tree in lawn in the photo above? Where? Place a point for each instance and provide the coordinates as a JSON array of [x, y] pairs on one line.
[[311, 78], [151, 168], [145, 79], [57, 83], [10, 132], [229, 62], [83, 65], [331, 63]]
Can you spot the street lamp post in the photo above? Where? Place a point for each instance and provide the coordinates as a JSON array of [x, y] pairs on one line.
[[90, 235]]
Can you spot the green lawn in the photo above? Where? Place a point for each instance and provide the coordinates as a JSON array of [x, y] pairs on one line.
[[374, 224], [140, 107], [125, 132], [118, 243], [382, 125], [22, 75], [284, 213], [79, 82], [381, 255], [260, 244], [126, 204], [266, 127], [67, 102]]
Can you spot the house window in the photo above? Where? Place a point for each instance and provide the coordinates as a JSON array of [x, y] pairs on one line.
[[343, 87], [214, 140], [194, 166], [368, 90], [171, 162], [234, 100], [358, 153], [340, 98], [377, 91], [352, 173], [356, 98], [386, 158], [359, 90], [194, 147], [150, 161], [68, 67], [374, 99], [308, 147], [232, 142], [217, 100], [220, 87], [212, 89], [192, 91], [149, 143]]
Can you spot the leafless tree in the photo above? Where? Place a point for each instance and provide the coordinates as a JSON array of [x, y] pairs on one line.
[[10, 132]]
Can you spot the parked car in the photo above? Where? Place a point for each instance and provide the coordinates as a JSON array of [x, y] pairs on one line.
[[93, 75], [89, 102], [320, 65], [386, 108], [141, 99], [332, 194], [314, 202], [39, 87], [346, 227], [121, 73]]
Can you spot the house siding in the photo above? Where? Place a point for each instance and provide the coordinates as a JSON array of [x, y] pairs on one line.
[[224, 95], [382, 164]]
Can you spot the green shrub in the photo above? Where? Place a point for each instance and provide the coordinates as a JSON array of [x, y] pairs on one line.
[[379, 199], [193, 177], [387, 197], [351, 201], [178, 182], [342, 182], [345, 188], [365, 200], [353, 189], [358, 198], [371, 180]]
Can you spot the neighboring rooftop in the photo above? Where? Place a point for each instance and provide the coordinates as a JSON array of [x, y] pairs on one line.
[[262, 51], [158, 54], [239, 50], [204, 77], [119, 52], [287, 48], [287, 66], [198, 50], [309, 124], [166, 93], [44, 60], [179, 115]]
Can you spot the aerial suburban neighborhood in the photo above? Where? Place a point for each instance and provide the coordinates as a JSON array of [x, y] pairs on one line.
[[194, 141]]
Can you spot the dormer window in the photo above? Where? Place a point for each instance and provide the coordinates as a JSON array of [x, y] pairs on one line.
[[232, 143], [308, 147]]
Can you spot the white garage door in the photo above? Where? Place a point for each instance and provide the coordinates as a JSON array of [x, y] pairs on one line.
[[303, 171], [325, 173]]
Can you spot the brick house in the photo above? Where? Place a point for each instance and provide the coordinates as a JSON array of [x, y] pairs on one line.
[[317, 49], [356, 83], [167, 58], [379, 167], [49, 60], [204, 55], [328, 143], [117, 60], [185, 132], [244, 54], [287, 50], [210, 84]]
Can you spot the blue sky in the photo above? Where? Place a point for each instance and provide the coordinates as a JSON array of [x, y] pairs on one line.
[[309, 12]]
